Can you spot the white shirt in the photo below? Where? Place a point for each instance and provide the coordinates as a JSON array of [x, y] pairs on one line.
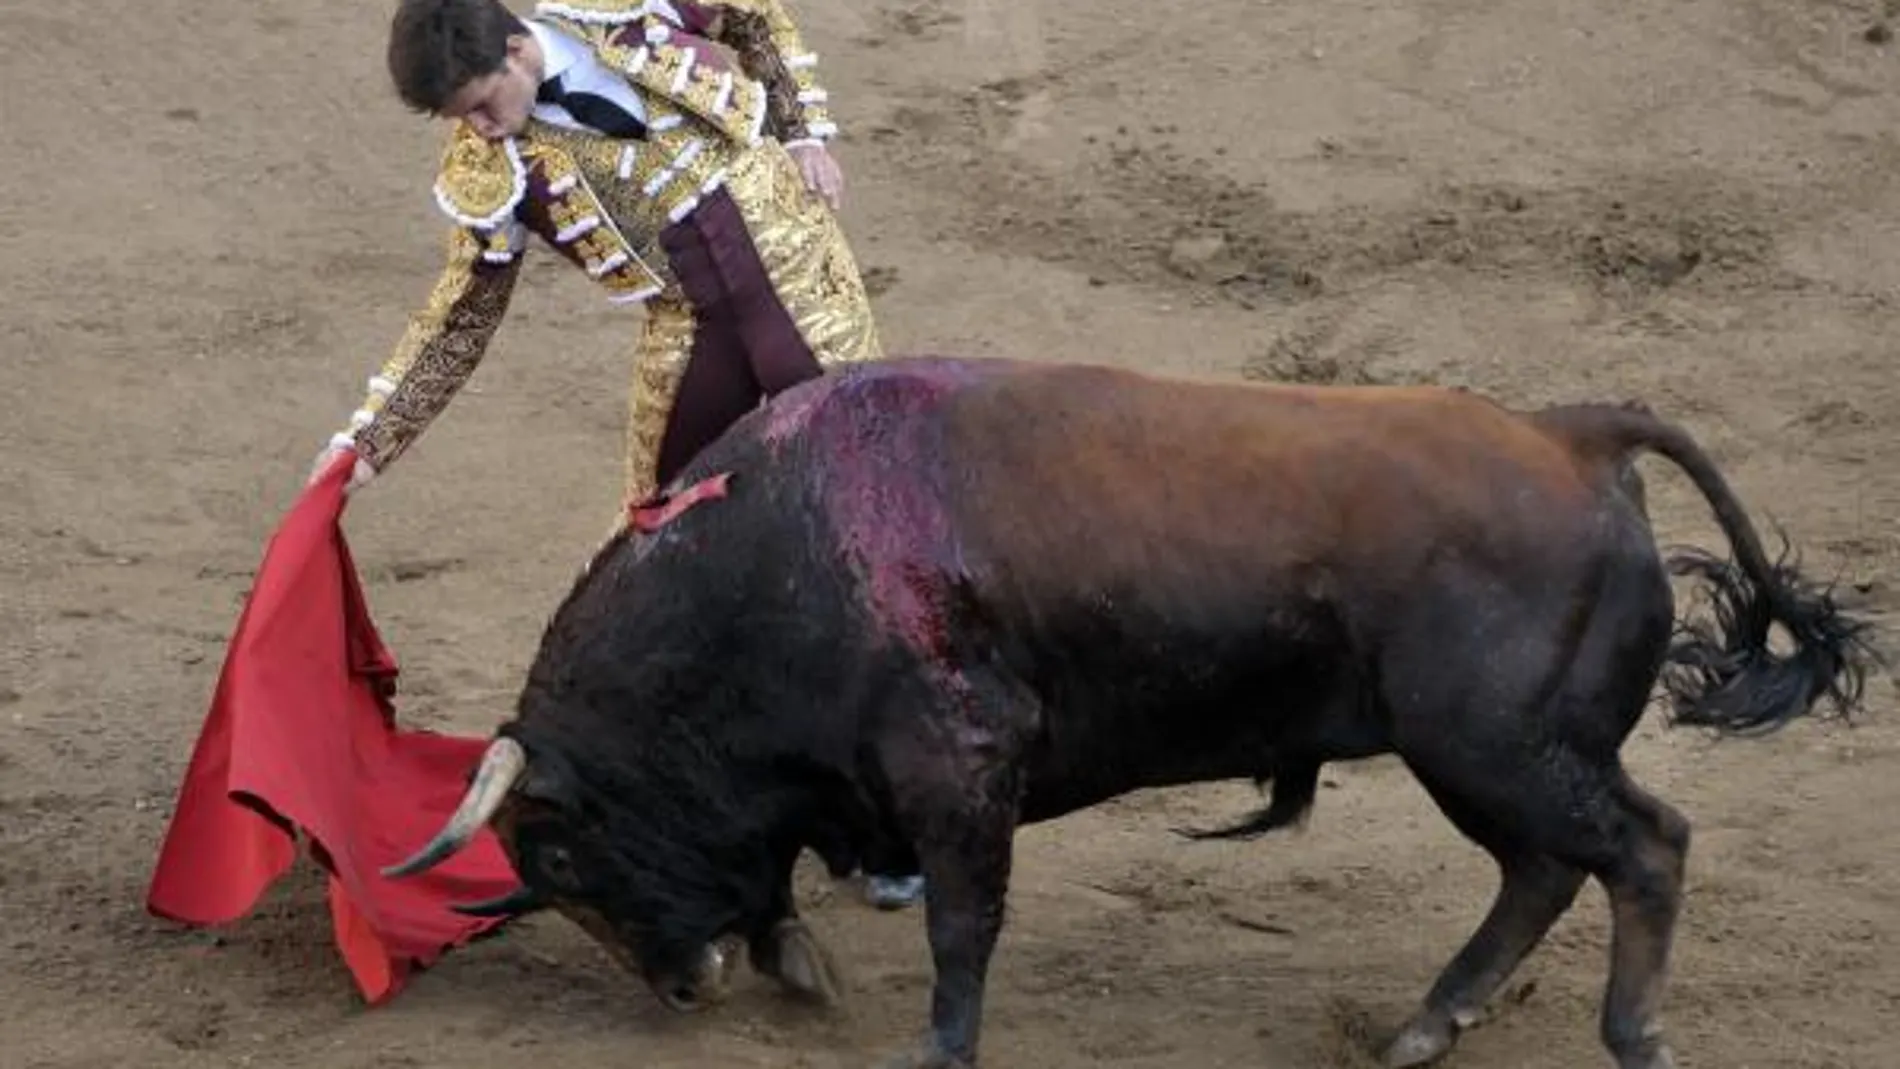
[[578, 68]]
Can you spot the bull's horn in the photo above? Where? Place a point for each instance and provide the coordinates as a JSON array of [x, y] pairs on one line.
[[518, 901], [502, 765]]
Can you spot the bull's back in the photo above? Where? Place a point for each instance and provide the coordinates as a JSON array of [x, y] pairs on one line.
[[1044, 484], [1092, 478]]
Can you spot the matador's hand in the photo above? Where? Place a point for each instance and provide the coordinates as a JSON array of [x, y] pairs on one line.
[[822, 175], [360, 473]]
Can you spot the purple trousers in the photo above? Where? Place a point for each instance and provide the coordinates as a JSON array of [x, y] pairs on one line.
[[745, 346]]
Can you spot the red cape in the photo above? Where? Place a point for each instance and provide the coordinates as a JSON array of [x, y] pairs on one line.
[[301, 737]]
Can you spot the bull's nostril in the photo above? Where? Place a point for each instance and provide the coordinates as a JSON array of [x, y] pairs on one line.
[[685, 996]]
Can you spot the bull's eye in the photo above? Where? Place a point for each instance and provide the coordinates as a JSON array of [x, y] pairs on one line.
[[557, 865]]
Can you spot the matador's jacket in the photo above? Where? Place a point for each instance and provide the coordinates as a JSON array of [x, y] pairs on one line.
[[747, 281]]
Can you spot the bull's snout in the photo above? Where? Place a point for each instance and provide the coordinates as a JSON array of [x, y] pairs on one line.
[[709, 984]]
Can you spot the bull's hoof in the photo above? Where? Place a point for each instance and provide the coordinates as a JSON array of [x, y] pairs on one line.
[[804, 966], [926, 1055], [1425, 1039], [1657, 1058]]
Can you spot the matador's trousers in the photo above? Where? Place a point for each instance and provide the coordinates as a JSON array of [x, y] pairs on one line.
[[767, 295]]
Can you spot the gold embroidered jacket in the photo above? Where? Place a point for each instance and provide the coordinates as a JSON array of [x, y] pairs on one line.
[[601, 203]]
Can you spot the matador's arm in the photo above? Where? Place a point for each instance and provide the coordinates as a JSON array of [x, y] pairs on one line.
[[436, 354], [772, 52]]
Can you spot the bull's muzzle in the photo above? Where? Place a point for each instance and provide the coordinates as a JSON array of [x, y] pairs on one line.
[[709, 984]]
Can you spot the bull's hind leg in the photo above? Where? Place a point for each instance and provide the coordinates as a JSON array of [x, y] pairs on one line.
[[1523, 758], [1536, 890], [1551, 815], [1580, 815], [1644, 874]]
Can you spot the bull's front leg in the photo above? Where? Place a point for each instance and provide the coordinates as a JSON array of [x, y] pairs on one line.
[[793, 956], [965, 851], [955, 773], [968, 876], [784, 949]]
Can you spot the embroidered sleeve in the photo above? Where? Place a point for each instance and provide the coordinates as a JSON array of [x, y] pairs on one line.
[[437, 353], [772, 52]]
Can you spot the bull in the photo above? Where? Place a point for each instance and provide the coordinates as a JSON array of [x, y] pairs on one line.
[[943, 599]]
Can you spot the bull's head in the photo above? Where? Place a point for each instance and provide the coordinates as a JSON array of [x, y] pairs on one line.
[[564, 869]]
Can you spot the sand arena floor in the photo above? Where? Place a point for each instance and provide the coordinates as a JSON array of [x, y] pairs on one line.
[[220, 220]]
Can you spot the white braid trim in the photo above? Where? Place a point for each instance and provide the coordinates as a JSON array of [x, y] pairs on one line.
[[618, 17]]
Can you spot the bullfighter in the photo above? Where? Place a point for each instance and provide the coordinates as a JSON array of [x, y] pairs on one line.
[[624, 136], [619, 133]]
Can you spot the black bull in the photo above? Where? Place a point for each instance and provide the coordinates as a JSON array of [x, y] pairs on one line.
[[945, 599]]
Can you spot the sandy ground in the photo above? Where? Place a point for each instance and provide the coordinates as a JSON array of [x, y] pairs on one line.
[[218, 218]]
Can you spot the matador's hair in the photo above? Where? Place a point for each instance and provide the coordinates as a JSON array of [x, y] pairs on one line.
[[438, 46]]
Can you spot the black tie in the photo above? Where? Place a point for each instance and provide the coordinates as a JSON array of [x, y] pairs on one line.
[[593, 109]]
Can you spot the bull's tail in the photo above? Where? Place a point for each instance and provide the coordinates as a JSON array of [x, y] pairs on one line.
[[1295, 786], [1722, 672]]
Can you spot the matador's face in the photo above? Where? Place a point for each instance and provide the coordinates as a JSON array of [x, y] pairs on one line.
[[497, 105]]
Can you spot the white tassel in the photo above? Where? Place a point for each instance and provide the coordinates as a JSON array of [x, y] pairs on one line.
[[612, 261], [644, 293], [580, 227]]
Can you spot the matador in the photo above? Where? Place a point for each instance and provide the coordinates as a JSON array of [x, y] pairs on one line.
[[675, 151]]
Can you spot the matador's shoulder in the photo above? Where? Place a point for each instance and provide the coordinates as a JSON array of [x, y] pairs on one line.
[[480, 183]]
